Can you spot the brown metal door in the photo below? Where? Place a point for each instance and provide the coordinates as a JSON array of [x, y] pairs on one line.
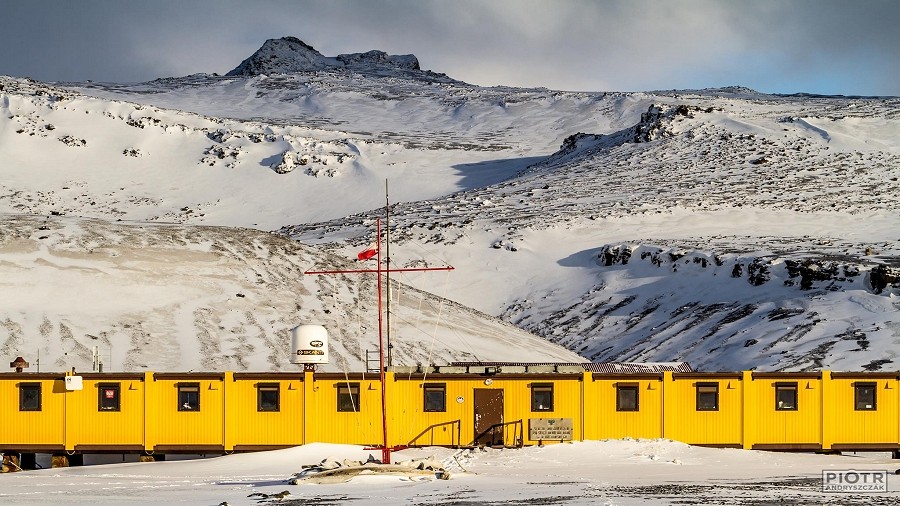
[[488, 416]]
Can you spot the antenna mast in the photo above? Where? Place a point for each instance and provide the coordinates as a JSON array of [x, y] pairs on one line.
[[387, 254], [386, 270]]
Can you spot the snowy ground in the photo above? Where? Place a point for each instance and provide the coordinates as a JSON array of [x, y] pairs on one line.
[[621, 472]]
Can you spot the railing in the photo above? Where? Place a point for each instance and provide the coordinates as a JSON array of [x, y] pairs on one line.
[[455, 434], [517, 434]]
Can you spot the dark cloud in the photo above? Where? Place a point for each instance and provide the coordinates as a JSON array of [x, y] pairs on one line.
[[820, 46]]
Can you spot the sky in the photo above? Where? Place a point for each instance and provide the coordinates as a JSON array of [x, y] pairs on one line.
[[776, 46]]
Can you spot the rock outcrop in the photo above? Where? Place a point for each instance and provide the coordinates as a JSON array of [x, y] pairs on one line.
[[290, 54]]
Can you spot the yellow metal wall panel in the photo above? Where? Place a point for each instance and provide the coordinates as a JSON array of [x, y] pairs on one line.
[[44, 427], [590, 409], [409, 423], [86, 424], [683, 422], [604, 422], [748, 403], [801, 426], [847, 425], [517, 405], [567, 400], [246, 425], [324, 423], [171, 427]]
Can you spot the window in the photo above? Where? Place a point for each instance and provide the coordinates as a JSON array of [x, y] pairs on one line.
[[29, 396], [268, 397], [626, 397], [435, 397], [542, 397], [108, 397], [864, 396], [786, 396], [348, 397], [188, 397], [707, 396]]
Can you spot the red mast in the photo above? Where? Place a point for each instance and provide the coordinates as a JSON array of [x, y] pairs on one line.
[[379, 270], [385, 450]]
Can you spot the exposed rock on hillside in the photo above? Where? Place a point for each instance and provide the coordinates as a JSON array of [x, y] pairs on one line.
[[281, 56], [379, 59], [290, 54], [664, 303]]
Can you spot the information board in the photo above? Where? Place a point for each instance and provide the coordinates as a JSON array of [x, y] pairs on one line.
[[550, 429]]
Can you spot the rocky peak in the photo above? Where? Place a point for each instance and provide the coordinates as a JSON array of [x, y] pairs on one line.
[[290, 54], [280, 56], [379, 58]]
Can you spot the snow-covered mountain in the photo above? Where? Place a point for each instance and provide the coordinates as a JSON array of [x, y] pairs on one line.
[[725, 227]]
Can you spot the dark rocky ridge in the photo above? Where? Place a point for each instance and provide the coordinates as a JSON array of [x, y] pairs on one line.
[[290, 54]]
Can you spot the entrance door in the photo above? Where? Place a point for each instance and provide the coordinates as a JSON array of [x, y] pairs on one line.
[[488, 416]]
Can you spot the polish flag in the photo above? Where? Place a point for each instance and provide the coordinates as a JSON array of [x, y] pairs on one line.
[[368, 253]]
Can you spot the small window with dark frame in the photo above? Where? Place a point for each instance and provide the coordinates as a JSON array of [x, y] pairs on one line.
[[542, 397], [707, 396], [348, 397], [435, 397], [627, 398], [268, 397], [29, 396], [108, 397], [864, 396], [786, 397], [188, 397]]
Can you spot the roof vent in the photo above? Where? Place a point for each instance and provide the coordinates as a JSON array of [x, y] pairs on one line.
[[18, 364]]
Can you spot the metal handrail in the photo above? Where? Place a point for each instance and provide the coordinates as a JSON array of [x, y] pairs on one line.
[[455, 436], [518, 433]]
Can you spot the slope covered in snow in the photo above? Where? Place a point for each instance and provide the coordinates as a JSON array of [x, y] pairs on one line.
[[725, 227], [733, 233], [166, 297]]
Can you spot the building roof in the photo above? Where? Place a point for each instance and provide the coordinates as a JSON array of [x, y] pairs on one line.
[[606, 367]]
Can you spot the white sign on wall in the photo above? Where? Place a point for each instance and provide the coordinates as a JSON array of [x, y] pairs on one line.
[[550, 429]]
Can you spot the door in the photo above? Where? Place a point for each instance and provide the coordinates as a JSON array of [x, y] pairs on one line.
[[488, 416]]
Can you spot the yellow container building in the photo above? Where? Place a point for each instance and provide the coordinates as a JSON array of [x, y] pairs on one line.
[[623, 405], [185, 412], [862, 411], [222, 412], [33, 411], [784, 410], [704, 408], [107, 414], [343, 409]]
